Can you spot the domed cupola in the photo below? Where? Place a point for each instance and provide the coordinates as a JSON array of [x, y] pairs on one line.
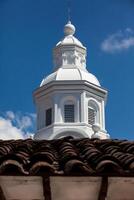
[[69, 51], [70, 101], [69, 57]]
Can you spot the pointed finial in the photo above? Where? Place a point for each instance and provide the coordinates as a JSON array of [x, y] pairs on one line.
[[69, 28], [69, 11]]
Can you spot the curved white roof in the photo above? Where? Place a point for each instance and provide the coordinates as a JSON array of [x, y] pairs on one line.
[[69, 74], [70, 39]]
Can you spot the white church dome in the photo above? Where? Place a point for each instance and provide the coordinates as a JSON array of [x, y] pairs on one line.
[[70, 63], [69, 74]]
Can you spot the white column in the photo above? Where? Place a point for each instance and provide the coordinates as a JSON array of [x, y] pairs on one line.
[[77, 111], [55, 113], [83, 107], [103, 115]]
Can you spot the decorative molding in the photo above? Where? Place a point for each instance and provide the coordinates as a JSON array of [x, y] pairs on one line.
[[69, 56]]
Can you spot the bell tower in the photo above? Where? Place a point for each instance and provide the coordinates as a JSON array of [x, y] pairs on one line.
[[70, 101]]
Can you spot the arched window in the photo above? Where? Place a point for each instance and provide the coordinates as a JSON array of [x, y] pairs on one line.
[[69, 109], [93, 113], [69, 113]]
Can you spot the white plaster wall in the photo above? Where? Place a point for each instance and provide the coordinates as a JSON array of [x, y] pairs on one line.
[[56, 100], [77, 130]]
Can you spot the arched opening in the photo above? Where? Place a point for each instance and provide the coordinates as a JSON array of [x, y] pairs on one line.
[[69, 109], [70, 132], [69, 112], [93, 112], [74, 134]]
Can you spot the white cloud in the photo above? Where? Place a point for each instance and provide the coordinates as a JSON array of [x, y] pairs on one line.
[[121, 40], [26, 122], [16, 125], [10, 115], [8, 131]]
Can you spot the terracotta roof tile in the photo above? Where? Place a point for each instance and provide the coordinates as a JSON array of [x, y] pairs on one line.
[[67, 156]]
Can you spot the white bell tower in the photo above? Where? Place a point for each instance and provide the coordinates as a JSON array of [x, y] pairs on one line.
[[70, 101]]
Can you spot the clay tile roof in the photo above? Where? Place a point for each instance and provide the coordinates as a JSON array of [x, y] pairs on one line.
[[67, 156]]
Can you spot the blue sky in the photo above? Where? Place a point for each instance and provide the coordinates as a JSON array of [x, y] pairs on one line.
[[30, 29]]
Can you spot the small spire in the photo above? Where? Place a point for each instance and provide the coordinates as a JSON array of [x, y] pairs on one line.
[[69, 11], [69, 28]]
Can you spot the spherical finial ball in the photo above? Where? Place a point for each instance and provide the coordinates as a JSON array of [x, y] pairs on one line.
[[96, 127], [69, 29]]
